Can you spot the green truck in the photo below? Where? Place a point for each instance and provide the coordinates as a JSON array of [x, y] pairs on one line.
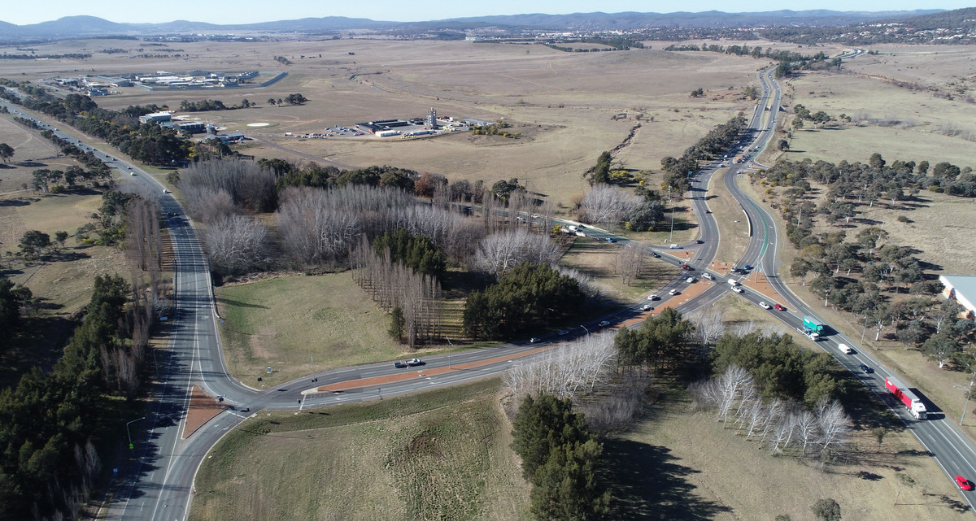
[[813, 325]]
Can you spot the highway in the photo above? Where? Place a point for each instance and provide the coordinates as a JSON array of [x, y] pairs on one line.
[[160, 485]]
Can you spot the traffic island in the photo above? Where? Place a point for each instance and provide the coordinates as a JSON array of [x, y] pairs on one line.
[[203, 408], [758, 283]]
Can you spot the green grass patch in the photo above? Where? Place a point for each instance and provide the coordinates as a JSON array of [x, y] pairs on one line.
[[437, 455], [290, 322]]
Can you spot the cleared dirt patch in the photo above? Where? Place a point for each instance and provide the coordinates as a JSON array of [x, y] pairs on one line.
[[202, 409]]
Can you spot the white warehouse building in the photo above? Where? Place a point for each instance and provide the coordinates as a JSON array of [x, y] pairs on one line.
[[961, 288]]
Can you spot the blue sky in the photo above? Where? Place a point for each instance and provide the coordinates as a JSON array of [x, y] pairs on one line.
[[247, 11]]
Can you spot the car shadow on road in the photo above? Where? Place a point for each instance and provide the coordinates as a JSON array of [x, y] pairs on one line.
[[647, 482]]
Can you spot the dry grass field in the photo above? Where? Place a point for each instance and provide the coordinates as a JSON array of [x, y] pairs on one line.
[[922, 125], [693, 468], [561, 102]]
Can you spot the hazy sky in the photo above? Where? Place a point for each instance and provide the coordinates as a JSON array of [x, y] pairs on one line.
[[247, 11]]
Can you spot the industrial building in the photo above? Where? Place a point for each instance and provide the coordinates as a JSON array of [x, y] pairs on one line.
[[235, 137], [158, 117], [962, 289]]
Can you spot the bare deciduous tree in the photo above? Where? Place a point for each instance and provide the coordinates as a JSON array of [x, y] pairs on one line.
[[567, 372], [606, 204], [235, 242], [505, 250]]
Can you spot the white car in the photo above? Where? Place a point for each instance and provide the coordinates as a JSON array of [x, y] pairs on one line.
[[165, 191], [653, 297], [675, 246], [764, 305], [708, 276], [647, 307], [737, 289], [691, 280], [674, 292]]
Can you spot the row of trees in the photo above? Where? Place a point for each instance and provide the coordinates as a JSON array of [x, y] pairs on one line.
[[291, 99], [411, 297], [50, 422], [145, 142], [73, 177], [779, 367], [208, 105], [780, 425], [715, 142]]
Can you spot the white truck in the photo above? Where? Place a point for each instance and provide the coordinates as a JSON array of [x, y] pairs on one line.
[[844, 348]]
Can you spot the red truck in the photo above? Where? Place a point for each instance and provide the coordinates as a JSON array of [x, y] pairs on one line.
[[915, 406]]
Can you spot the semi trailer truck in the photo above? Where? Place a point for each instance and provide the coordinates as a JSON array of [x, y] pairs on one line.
[[914, 404]]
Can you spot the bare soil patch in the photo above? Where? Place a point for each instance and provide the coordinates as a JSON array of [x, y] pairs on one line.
[[202, 409]]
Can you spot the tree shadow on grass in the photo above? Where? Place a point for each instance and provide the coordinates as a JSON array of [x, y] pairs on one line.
[[647, 482], [231, 302]]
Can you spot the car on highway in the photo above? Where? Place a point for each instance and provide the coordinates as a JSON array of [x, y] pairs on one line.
[[604, 323], [963, 483], [610, 239], [675, 246], [674, 292], [779, 307], [653, 296], [691, 280], [708, 276], [764, 305], [747, 267], [399, 365], [687, 267], [655, 255], [866, 369], [563, 332], [535, 340], [647, 307], [699, 241], [709, 211], [415, 362], [133, 174], [165, 191]]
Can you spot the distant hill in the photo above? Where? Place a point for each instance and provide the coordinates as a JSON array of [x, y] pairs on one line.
[[705, 19], [89, 26], [948, 27]]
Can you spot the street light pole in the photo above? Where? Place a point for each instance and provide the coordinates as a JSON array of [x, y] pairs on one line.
[[969, 391], [449, 352], [127, 430], [587, 330]]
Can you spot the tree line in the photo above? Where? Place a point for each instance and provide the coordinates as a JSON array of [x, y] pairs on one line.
[[710, 146], [149, 143], [412, 297]]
